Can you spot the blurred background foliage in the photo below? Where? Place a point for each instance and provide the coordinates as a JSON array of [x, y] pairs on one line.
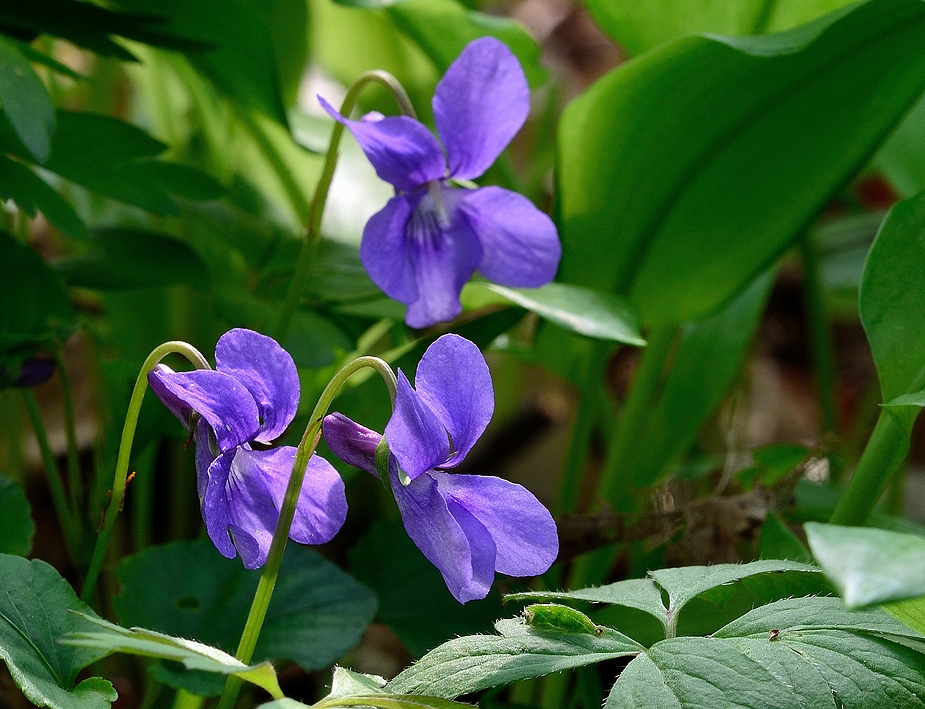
[[717, 192]]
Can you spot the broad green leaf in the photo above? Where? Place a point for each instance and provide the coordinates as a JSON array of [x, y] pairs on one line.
[[707, 363], [869, 566], [900, 159], [655, 196], [194, 655], [892, 301], [34, 605], [471, 663], [16, 525], [239, 57], [37, 308], [389, 563], [189, 590], [132, 258], [639, 25], [25, 101], [31, 193], [598, 315], [804, 652]]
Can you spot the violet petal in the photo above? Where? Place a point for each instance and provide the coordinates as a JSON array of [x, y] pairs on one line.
[[444, 252], [322, 506], [352, 443], [417, 438], [268, 373], [223, 401], [520, 244], [204, 456], [385, 250], [214, 504], [523, 530], [451, 539], [453, 380], [401, 149], [479, 105]]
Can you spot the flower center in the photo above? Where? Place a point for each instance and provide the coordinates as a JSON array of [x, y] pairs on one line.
[[433, 213]]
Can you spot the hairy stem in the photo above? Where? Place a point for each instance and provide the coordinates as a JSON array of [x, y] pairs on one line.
[[320, 197], [117, 493], [304, 452]]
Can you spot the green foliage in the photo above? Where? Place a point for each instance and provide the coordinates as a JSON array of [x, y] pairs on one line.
[[869, 566], [787, 653], [25, 102], [187, 589], [194, 656], [34, 605], [641, 25], [655, 198], [388, 562], [16, 525], [583, 311]]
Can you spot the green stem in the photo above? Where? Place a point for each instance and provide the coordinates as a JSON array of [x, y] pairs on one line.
[[588, 410], [883, 454], [125, 448], [763, 17], [820, 342], [74, 476], [55, 483], [304, 452], [320, 197]]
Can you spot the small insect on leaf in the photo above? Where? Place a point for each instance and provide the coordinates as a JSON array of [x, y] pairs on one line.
[[562, 619], [773, 633]]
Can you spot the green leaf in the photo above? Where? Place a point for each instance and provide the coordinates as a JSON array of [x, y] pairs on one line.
[[655, 196], [189, 590], [442, 28], [807, 652], [240, 58], [598, 315], [892, 302], [37, 308], [132, 258], [380, 700], [777, 541], [31, 192], [34, 605], [676, 586], [388, 562], [193, 655], [643, 24], [471, 663], [25, 101], [869, 566], [16, 525]]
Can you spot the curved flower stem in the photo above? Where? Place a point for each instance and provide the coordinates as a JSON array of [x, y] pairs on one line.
[[53, 474], [320, 197], [303, 454], [117, 493]]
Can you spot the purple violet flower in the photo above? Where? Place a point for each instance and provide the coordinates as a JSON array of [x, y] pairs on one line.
[[468, 526], [431, 237], [250, 397]]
